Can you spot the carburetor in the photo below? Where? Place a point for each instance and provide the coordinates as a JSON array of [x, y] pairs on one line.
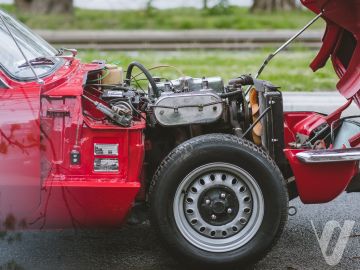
[[189, 84]]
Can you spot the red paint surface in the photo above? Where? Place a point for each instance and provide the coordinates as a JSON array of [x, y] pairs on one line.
[[341, 17], [300, 123], [316, 183], [19, 152], [39, 187], [84, 204], [320, 183]]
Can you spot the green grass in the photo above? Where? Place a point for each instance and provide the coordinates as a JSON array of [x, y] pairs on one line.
[[289, 69], [179, 18]]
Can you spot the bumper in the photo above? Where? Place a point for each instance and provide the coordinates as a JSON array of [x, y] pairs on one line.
[[325, 156]]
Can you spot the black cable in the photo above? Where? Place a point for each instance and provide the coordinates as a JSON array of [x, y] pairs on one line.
[[118, 100], [137, 83], [138, 112], [243, 80], [256, 121], [146, 73], [231, 94]]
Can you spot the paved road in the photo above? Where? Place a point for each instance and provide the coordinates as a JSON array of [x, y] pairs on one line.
[[325, 102], [177, 39], [136, 248], [141, 4]]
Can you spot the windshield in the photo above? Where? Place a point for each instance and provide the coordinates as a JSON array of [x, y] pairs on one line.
[[11, 59]]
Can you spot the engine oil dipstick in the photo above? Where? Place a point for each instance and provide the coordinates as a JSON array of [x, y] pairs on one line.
[[292, 211]]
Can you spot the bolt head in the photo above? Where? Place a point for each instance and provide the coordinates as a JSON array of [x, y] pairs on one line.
[[207, 201], [222, 195], [229, 211], [213, 217]]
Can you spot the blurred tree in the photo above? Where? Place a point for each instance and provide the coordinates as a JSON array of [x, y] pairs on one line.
[[219, 7], [205, 4], [149, 6], [222, 7], [45, 6], [273, 5]]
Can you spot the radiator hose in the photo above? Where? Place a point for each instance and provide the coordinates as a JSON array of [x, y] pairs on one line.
[[147, 75]]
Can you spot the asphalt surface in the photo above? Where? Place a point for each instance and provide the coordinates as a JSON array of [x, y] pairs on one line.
[[137, 248], [321, 101], [177, 39], [141, 4]]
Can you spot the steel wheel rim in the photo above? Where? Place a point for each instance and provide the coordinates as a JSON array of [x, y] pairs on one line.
[[205, 239]]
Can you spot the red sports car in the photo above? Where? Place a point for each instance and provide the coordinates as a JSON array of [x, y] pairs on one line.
[[83, 145]]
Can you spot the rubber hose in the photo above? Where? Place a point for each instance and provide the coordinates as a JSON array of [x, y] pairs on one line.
[[146, 73]]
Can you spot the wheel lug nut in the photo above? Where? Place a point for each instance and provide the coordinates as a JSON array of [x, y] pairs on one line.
[[222, 195], [207, 201], [213, 217], [229, 211]]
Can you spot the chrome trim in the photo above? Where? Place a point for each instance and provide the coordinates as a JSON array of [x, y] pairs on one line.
[[2, 82], [326, 156]]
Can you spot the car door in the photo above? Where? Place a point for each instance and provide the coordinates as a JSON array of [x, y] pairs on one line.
[[19, 153]]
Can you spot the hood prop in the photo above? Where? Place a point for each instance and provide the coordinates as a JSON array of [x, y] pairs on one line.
[[282, 47]]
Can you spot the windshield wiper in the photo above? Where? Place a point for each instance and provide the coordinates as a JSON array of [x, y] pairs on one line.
[[38, 61], [49, 60], [61, 52]]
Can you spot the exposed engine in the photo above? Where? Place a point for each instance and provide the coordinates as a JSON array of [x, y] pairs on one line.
[[183, 101], [188, 103]]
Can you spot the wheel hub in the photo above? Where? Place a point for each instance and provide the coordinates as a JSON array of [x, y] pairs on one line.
[[218, 205]]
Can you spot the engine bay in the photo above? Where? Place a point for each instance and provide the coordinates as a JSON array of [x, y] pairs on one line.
[[132, 119], [184, 101], [243, 107]]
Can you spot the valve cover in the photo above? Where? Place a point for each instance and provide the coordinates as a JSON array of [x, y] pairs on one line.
[[187, 109]]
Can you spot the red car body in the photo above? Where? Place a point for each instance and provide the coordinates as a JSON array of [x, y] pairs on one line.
[[318, 183], [340, 42], [39, 187], [41, 125]]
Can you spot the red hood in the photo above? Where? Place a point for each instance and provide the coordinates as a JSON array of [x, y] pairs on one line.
[[340, 42]]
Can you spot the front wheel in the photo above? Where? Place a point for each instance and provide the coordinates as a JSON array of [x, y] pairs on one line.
[[218, 200]]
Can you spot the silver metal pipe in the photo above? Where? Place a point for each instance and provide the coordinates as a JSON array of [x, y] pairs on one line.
[[282, 47], [327, 156]]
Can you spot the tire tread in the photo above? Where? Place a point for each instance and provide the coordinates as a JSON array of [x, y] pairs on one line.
[[188, 145]]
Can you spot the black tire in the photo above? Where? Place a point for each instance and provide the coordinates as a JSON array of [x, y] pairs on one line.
[[227, 149]]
